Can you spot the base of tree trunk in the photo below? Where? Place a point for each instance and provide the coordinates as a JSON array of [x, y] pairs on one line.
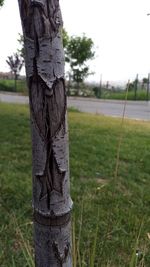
[[52, 241]]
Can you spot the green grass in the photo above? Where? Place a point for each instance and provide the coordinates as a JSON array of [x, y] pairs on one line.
[[111, 217], [9, 86], [120, 95]]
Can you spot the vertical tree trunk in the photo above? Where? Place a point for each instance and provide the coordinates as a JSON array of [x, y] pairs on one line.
[[42, 22]]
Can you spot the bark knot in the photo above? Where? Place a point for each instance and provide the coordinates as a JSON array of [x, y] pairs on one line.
[[61, 256]]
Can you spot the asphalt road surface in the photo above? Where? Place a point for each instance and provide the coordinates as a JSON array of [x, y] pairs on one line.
[[134, 109], [139, 110]]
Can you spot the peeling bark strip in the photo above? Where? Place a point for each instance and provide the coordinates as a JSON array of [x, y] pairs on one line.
[[41, 23]]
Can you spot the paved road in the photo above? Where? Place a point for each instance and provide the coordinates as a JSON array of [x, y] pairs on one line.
[[13, 98], [134, 110]]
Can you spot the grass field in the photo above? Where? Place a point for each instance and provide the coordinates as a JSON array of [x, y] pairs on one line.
[[120, 95], [111, 216]]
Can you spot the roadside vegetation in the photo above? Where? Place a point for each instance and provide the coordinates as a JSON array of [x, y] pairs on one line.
[[117, 94], [110, 187], [121, 94], [9, 86], [86, 90]]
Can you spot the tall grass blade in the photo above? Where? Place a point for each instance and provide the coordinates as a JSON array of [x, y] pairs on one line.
[[24, 246], [134, 258], [74, 254], [121, 134], [79, 237], [13, 262], [92, 259]]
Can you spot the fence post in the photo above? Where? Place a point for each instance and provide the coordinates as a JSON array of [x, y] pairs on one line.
[[135, 87], [148, 84]]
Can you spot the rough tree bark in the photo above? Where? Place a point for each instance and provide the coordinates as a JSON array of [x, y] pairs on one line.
[[42, 23]]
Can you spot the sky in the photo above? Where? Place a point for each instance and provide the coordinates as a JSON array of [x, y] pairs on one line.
[[120, 30]]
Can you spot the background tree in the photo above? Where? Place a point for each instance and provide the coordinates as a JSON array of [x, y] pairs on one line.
[[1, 2], [78, 50], [15, 63], [144, 83], [130, 86]]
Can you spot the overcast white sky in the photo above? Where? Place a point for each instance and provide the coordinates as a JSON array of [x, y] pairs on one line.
[[120, 30]]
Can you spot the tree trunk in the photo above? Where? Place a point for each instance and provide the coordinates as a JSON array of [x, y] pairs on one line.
[[44, 57]]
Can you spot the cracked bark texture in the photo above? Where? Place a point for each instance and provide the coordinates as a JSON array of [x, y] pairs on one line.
[[44, 58]]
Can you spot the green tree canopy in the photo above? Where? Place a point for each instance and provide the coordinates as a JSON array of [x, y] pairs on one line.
[[1, 2], [145, 80], [78, 50]]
